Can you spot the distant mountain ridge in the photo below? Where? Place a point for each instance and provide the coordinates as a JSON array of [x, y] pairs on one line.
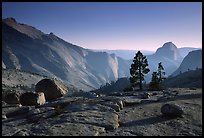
[[168, 54], [26, 48], [129, 54], [192, 61], [126, 54], [185, 50]]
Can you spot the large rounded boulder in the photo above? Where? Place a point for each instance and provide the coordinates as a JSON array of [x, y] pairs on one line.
[[51, 88], [171, 110]]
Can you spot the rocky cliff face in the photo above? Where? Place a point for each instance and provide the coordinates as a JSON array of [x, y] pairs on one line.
[[27, 48]]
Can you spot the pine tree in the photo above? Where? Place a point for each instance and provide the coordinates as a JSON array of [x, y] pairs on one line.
[[138, 69], [154, 84], [160, 72], [157, 78]]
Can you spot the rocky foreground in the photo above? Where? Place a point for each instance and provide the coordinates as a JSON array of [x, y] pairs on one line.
[[121, 115]]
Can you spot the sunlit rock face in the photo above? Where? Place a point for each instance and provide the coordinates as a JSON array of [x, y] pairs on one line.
[[170, 51], [27, 48]]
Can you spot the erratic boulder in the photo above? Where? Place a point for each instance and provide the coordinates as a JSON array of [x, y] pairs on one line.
[[171, 110], [51, 88], [12, 98], [32, 99]]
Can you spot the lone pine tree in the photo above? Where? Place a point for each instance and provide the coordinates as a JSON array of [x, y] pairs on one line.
[[154, 84], [138, 69], [160, 72]]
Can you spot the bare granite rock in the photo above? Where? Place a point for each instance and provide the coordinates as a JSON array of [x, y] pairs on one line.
[[75, 129], [78, 116], [51, 88], [108, 120]]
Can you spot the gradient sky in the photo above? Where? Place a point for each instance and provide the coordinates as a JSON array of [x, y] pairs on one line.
[[114, 25]]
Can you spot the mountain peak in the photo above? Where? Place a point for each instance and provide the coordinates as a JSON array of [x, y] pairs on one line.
[[169, 50], [10, 19], [23, 28], [169, 45], [168, 42]]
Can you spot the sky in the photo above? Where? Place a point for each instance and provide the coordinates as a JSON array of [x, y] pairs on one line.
[[114, 25]]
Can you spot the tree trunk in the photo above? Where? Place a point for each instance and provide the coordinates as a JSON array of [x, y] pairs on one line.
[[140, 84]]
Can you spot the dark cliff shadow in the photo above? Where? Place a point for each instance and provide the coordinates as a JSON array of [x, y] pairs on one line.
[[146, 121]]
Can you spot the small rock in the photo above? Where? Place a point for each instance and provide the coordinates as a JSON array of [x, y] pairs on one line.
[[3, 117]]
